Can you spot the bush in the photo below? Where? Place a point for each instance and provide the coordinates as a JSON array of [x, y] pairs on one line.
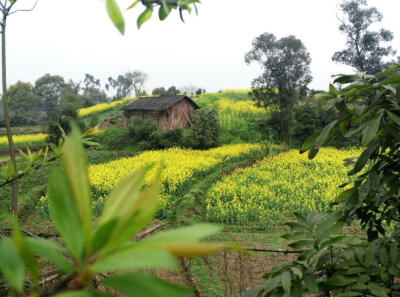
[[141, 129], [171, 138], [114, 138], [205, 129], [67, 115]]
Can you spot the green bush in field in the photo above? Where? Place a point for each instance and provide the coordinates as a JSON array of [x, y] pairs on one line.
[[141, 129], [205, 129]]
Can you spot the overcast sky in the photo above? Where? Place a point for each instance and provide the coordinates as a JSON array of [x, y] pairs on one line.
[[74, 37]]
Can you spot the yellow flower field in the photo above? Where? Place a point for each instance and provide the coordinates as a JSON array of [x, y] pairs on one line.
[[101, 107], [277, 186], [180, 166], [27, 139]]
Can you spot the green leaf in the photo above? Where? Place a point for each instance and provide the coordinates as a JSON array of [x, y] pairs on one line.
[[324, 96], [50, 251], [286, 280], [142, 285], [383, 256], [133, 4], [136, 213], [64, 213], [192, 233], [102, 235], [272, 284], [12, 265], [135, 259], [394, 79], [393, 252], [333, 90], [311, 283], [365, 157], [301, 244], [183, 242], [388, 71], [25, 251], [308, 143], [75, 167], [325, 134], [144, 17], [393, 117], [372, 128], [164, 11], [339, 280], [345, 79], [115, 15], [297, 272], [297, 290]]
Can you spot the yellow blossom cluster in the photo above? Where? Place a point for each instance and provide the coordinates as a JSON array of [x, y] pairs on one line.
[[180, 165], [273, 189], [27, 139], [101, 107], [240, 107]]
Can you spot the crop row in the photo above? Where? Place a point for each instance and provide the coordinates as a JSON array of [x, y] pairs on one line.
[[269, 192], [24, 140]]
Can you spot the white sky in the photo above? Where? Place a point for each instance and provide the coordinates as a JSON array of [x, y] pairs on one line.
[[74, 37]]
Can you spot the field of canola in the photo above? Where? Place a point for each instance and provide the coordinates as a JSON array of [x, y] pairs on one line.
[[269, 192], [180, 166], [83, 112], [24, 140]]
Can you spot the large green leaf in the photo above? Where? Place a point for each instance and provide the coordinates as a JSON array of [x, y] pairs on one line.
[[144, 17], [345, 79], [75, 167], [184, 242], [388, 71], [115, 14], [371, 129], [12, 265], [135, 259], [64, 213], [286, 280], [26, 252], [326, 132], [309, 142], [142, 285], [50, 251], [136, 214]]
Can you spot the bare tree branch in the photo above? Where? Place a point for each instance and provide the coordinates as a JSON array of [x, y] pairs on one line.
[[24, 10]]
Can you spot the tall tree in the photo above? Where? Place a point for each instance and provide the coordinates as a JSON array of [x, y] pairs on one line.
[[172, 91], [364, 48], [50, 88], [138, 79], [286, 65], [7, 9]]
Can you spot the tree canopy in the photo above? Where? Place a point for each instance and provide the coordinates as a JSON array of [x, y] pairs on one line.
[[364, 48]]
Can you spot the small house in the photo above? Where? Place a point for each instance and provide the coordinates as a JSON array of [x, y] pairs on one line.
[[168, 111]]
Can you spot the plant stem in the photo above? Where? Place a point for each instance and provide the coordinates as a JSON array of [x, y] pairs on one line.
[[11, 146]]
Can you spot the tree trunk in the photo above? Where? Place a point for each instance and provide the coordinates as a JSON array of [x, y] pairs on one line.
[[11, 147]]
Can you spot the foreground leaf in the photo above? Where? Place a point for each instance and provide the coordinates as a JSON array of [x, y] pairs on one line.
[[142, 285]]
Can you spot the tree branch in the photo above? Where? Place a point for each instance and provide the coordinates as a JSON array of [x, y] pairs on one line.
[[24, 10], [18, 176]]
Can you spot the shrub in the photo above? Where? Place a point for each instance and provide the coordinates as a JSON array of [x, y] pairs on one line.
[[171, 138], [114, 138], [67, 115], [205, 129], [141, 129]]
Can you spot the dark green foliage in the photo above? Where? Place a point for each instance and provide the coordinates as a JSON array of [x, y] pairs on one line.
[[330, 264], [141, 129], [114, 138], [205, 129], [62, 124], [364, 50], [171, 138], [286, 64]]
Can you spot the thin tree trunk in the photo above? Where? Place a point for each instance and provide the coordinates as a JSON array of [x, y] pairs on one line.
[[11, 147]]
